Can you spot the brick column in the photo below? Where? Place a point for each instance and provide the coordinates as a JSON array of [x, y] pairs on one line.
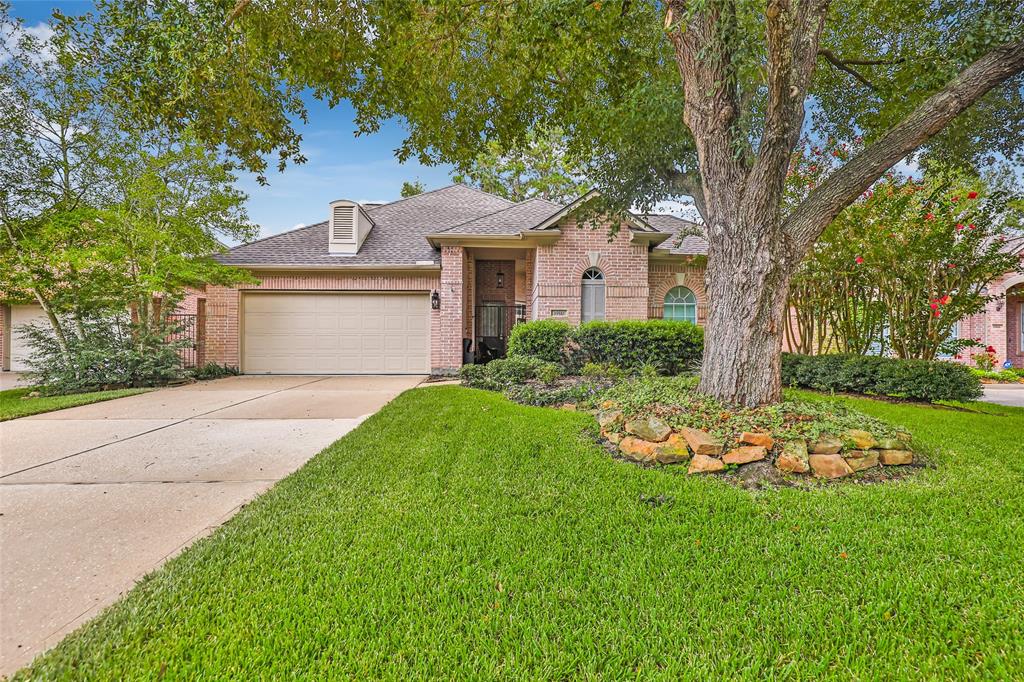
[[221, 334], [452, 311], [200, 332], [5, 314]]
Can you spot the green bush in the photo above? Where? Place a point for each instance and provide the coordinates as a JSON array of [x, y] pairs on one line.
[[212, 370], [671, 347], [106, 352], [497, 375], [928, 380], [544, 339]]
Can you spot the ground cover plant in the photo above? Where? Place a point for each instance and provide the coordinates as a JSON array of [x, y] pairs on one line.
[[19, 402], [430, 543]]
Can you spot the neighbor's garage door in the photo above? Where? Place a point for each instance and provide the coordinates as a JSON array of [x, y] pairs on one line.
[[335, 333], [22, 315]]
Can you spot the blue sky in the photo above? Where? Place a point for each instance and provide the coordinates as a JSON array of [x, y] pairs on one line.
[[340, 165]]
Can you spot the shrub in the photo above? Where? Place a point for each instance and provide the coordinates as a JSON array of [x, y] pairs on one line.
[[544, 339], [498, 375], [212, 370], [106, 352], [603, 370], [671, 347], [928, 380]]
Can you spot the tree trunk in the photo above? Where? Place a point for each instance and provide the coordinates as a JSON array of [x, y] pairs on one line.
[[748, 288]]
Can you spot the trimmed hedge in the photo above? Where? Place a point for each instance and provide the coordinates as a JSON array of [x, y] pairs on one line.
[[927, 380], [672, 347], [544, 339], [498, 375]]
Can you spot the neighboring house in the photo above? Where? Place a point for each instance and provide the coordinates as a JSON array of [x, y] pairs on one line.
[[427, 283], [1001, 324]]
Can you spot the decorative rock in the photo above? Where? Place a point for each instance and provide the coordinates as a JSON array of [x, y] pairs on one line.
[[862, 440], [829, 466], [827, 445], [743, 455], [636, 449], [652, 429], [896, 457], [672, 451], [612, 436], [861, 459], [702, 443], [793, 459], [903, 436], [609, 419], [702, 464], [762, 439], [892, 444]]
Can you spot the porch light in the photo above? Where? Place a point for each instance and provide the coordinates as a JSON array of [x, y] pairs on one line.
[[435, 301], [501, 280]]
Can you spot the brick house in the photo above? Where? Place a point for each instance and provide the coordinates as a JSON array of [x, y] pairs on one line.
[[427, 283]]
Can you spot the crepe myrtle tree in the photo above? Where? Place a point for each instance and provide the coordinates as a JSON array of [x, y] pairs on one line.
[[658, 99]]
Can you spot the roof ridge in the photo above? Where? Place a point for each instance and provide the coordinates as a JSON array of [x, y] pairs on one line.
[[279, 234], [435, 191]]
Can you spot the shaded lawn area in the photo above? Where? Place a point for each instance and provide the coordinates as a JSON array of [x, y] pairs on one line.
[[456, 534], [14, 404]]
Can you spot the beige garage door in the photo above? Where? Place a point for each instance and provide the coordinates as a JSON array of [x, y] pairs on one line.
[[20, 316], [349, 333]]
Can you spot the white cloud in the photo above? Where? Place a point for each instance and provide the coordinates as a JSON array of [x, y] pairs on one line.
[[11, 35], [909, 167]]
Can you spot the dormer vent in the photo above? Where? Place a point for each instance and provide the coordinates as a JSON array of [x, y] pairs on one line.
[[349, 226]]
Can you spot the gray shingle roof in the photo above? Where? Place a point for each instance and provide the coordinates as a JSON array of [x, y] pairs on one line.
[[510, 221], [686, 245], [399, 236]]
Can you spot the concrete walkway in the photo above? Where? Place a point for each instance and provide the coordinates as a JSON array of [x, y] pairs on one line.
[[1004, 394], [94, 497]]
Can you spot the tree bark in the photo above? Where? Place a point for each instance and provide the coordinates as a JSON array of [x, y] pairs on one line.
[[752, 248]]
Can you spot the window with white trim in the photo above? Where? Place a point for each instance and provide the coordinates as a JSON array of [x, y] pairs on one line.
[[592, 295], [680, 304]]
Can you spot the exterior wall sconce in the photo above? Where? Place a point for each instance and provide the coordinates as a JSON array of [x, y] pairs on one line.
[[435, 301], [501, 280]]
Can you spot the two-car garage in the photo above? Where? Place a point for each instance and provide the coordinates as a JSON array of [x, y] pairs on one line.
[[335, 333]]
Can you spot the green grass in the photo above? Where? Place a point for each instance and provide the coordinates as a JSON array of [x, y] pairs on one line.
[[14, 404], [455, 534]]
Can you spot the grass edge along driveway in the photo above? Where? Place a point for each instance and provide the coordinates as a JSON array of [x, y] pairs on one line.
[[14, 403], [456, 534]]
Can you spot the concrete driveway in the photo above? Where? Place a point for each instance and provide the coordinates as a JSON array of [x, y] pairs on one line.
[[94, 497], [1004, 394]]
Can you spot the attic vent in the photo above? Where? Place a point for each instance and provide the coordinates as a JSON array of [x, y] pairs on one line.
[[343, 224]]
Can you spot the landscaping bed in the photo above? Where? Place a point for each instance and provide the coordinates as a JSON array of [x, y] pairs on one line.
[[654, 420]]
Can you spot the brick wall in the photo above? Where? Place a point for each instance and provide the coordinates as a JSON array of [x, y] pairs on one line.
[[560, 266], [223, 305], [486, 285], [665, 276]]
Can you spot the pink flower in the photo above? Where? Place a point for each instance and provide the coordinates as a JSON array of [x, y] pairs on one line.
[[971, 226], [859, 260], [945, 300], [938, 313], [959, 226], [933, 306], [956, 198], [972, 195], [951, 265], [929, 216]]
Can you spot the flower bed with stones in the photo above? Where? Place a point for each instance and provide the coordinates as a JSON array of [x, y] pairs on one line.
[[666, 422]]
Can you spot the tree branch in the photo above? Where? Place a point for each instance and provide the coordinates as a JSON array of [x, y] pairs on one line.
[[835, 61], [841, 188], [688, 183], [236, 12]]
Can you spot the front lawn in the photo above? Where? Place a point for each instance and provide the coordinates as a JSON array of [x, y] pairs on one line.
[[14, 403], [457, 535]]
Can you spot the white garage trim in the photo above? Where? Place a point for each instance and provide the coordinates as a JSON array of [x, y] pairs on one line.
[[334, 332], [20, 316]]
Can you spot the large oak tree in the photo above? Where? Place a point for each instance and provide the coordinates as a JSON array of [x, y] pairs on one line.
[[702, 98]]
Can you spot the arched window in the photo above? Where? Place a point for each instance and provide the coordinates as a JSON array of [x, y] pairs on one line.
[[680, 304], [592, 303]]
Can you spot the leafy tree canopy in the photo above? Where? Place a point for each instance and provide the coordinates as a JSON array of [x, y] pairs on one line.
[[540, 168], [411, 189], [472, 78]]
